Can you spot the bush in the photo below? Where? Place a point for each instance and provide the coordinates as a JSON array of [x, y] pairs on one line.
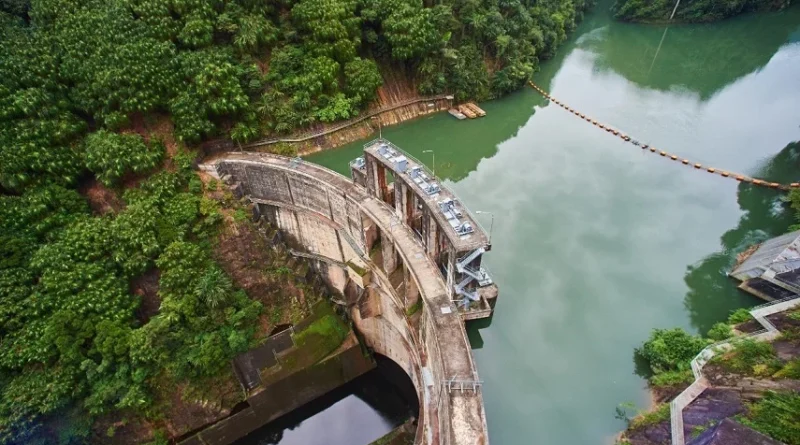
[[720, 331], [111, 155], [670, 350], [739, 316]]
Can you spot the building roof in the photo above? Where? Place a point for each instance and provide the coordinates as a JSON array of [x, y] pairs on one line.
[[781, 254], [730, 432]]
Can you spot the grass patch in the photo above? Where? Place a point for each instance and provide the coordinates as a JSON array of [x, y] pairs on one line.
[[672, 378], [660, 414], [413, 309], [776, 415], [240, 215], [325, 334], [699, 429], [739, 316], [356, 268], [790, 370], [750, 357]]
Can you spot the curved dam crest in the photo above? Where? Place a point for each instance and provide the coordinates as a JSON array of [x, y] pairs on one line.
[[405, 256]]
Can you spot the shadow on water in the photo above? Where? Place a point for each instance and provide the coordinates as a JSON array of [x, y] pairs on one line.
[[731, 49], [474, 331], [355, 414], [454, 162], [765, 215], [662, 58]]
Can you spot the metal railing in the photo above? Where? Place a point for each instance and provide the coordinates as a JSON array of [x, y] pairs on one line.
[[433, 176], [688, 395]]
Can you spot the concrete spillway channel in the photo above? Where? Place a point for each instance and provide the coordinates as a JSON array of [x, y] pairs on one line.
[[400, 265]]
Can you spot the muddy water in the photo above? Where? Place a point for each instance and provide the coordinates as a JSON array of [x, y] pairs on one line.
[[595, 242]]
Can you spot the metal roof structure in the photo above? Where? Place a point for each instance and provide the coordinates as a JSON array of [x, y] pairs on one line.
[[780, 254], [467, 232]]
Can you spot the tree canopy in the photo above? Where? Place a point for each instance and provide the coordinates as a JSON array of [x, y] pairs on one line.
[[690, 10], [80, 80]]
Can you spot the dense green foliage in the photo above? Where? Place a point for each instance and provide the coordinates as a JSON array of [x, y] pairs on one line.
[[690, 10], [740, 315], [249, 67], [750, 357], [68, 324], [776, 415], [81, 83], [720, 331], [670, 350]]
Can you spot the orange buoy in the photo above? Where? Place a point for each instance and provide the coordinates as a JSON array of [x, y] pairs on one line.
[[582, 115], [756, 181], [674, 158], [685, 162], [739, 178], [724, 174], [663, 153], [615, 132], [601, 125], [698, 165], [711, 170], [652, 149], [774, 185], [795, 184]]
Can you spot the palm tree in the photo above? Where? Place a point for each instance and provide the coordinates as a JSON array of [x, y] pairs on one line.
[[214, 287]]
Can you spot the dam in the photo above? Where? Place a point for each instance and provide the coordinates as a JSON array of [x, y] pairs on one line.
[[406, 256]]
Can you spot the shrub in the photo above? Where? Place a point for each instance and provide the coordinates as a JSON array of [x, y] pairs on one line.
[[670, 349], [111, 155], [720, 331], [739, 316]]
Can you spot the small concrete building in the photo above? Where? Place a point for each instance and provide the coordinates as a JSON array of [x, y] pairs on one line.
[[772, 270]]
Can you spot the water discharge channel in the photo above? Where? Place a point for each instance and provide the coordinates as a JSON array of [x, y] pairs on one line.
[[595, 242]]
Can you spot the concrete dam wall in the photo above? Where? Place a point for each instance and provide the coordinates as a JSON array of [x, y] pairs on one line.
[[397, 294]]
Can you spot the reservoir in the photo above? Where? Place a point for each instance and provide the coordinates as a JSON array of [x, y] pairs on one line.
[[597, 242]]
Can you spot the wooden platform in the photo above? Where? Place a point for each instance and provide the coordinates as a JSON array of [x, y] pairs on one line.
[[467, 111], [476, 109]]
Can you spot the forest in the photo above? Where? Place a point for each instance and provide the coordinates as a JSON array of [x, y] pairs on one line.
[[690, 11], [111, 96]]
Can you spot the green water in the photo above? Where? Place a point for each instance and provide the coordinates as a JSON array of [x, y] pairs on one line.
[[595, 242]]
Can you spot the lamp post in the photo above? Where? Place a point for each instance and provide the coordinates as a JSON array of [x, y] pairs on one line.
[[491, 224], [380, 127], [433, 154]]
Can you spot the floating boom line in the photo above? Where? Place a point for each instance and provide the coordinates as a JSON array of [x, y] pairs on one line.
[[673, 157]]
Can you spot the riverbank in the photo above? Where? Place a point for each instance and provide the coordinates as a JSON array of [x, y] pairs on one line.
[[660, 12], [748, 384]]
